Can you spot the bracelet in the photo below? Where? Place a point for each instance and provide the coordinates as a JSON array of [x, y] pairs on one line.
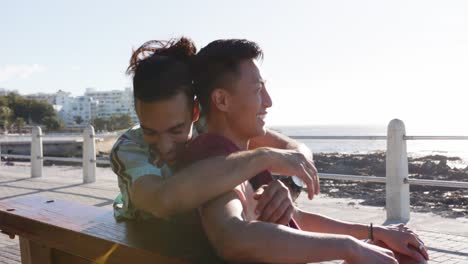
[[371, 232]]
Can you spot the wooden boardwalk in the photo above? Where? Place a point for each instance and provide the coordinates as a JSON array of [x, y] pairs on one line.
[[447, 239]]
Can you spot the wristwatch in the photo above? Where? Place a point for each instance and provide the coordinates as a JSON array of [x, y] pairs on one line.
[[293, 182]]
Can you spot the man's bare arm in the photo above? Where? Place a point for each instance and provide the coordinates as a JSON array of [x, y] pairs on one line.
[[194, 185], [322, 224], [275, 139], [252, 241], [400, 239]]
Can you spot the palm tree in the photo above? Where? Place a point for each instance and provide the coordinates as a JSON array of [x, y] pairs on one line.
[[19, 124], [5, 115]]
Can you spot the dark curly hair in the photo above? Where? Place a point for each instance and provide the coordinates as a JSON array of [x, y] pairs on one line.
[[160, 69]]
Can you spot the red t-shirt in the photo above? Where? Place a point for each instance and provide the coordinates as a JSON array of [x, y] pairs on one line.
[[209, 145]]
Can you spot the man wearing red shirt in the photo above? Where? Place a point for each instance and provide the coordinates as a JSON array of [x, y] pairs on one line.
[[233, 95]]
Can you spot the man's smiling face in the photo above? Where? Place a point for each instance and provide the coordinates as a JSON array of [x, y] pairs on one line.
[[167, 125], [249, 101]]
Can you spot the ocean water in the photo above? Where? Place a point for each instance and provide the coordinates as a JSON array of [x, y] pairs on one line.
[[415, 148]]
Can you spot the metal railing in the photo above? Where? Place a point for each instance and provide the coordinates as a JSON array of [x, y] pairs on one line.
[[88, 159], [435, 183], [438, 183], [397, 180]]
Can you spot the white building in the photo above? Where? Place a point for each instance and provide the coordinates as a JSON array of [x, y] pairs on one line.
[[103, 104], [62, 98], [115, 102], [75, 108]]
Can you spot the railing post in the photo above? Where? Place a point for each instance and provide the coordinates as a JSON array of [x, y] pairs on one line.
[[36, 153], [397, 187], [89, 155]]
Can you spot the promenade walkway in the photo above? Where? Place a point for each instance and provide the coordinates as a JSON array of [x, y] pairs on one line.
[[447, 239]]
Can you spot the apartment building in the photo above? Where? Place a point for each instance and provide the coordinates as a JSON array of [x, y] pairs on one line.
[[92, 104], [78, 110], [115, 102]]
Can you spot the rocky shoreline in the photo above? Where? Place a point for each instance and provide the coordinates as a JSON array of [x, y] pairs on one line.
[[443, 201]]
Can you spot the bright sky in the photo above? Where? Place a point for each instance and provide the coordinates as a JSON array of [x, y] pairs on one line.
[[326, 62]]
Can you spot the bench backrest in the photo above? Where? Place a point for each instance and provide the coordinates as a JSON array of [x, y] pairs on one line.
[[93, 234]]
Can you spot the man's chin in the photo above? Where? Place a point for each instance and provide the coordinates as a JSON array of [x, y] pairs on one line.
[[258, 133], [171, 163], [167, 161], [262, 131]]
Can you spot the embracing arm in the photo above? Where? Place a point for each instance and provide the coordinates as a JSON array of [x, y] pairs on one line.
[[192, 186], [146, 189], [204, 180], [274, 139]]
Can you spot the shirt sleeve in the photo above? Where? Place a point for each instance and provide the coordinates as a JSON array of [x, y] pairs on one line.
[[129, 161]]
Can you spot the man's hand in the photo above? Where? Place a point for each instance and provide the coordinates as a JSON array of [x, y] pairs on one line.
[[295, 163], [364, 253], [403, 240], [275, 204]]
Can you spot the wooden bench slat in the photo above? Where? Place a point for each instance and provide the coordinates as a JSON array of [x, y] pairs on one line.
[[90, 232]]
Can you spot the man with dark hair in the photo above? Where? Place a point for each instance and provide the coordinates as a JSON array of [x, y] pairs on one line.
[[233, 94], [144, 158]]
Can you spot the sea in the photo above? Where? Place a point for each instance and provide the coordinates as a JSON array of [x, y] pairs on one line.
[[415, 148]]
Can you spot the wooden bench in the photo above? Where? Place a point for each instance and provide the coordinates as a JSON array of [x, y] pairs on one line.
[[55, 231]]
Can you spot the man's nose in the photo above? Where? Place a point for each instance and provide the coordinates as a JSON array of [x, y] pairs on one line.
[[266, 100], [165, 145]]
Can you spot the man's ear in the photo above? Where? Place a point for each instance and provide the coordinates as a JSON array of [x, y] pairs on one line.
[[220, 98], [196, 110]]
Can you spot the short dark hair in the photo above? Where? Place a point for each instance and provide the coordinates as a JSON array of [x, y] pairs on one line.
[[216, 64], [160, 69]]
